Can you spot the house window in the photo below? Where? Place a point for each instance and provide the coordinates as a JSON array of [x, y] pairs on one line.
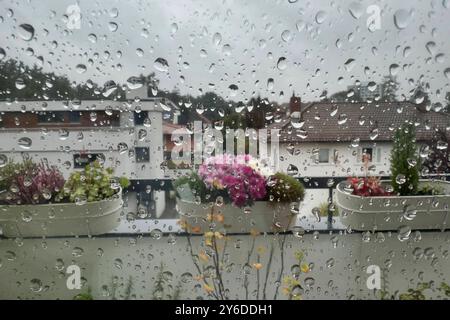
[[59, 117], [324, 155], [51, 117], [139, 118], [81, 160], [142, 154], [74, 117], [367, 153]]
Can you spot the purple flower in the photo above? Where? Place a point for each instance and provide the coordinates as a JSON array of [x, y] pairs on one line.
[[233, 174]]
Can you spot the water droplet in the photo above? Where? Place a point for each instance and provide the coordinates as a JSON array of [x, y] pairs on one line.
[[80, 68], [404, 233], [77, 252], [161, 65], [122, 147], [447, 73], [92, 38], [156, 234], [217, 39], [173, 28], [118, 263], [349, 64], [400, 179], [402, 18], [320, 17], [286, 36], [356, 10], [270, 84], [113, 26], [409, 213], [292, 170], [20, 84], [25, 143], [36, 285], [233, 90], [282, 64], [26, 32]]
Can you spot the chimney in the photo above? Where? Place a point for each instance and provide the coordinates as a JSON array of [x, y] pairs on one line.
[[294, 104]]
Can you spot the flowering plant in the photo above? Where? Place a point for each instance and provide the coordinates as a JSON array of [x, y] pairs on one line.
[[30, 183], [368, 187], [238, 175]]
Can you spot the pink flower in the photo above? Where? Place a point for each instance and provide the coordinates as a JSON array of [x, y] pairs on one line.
[[232, 173]]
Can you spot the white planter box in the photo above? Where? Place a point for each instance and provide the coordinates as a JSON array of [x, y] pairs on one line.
[[263, 216], [391, 213], [60, 219]]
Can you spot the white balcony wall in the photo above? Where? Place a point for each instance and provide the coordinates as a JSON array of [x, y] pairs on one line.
[[338, 262]]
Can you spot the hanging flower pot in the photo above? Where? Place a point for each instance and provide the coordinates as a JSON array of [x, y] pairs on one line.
[[262, 216], [392, 212], [38, 202], [237, 195], [61, 219]]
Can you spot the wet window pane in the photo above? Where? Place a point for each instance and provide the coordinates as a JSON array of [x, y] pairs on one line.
[[233, 150]]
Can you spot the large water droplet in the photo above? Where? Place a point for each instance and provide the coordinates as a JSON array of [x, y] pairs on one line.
[[355, 9], [282, 64], [402, 18], [320, 17], [26, 31], [80, 68], [161, 64], [25, 143]]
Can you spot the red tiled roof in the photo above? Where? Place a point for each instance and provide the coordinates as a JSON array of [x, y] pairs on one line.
[[326, 122]]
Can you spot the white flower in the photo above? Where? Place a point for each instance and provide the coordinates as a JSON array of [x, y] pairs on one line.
[[261, 166]]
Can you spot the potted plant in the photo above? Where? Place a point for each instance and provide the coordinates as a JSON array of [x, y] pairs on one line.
[[238, 194], [403, 203], [37, 201]]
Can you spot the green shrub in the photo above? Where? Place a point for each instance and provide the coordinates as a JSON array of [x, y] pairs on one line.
[[323, 209], [83, 296], [430, 190], [94, 183], [405, 162], [284, 188]]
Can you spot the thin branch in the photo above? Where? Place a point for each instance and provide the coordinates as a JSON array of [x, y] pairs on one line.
[[246, 283], [282, 265], [197, 266], [267, 271]]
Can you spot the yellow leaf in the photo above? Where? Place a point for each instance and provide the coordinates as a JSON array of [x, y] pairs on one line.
[[305, 268], [203, 256], [208, 288], [196, 229], [257, 266], [219, 217]]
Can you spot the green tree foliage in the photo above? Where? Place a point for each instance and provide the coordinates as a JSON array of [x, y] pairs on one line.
[[438, 158], [405, 161], [22, 82], [389, 88]]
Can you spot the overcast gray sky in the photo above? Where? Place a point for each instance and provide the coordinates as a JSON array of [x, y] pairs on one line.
[[212, 45]]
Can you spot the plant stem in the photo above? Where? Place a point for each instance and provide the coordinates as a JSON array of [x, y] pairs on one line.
[[248, 263], [282, 265], [197, 266], [269, 263]]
